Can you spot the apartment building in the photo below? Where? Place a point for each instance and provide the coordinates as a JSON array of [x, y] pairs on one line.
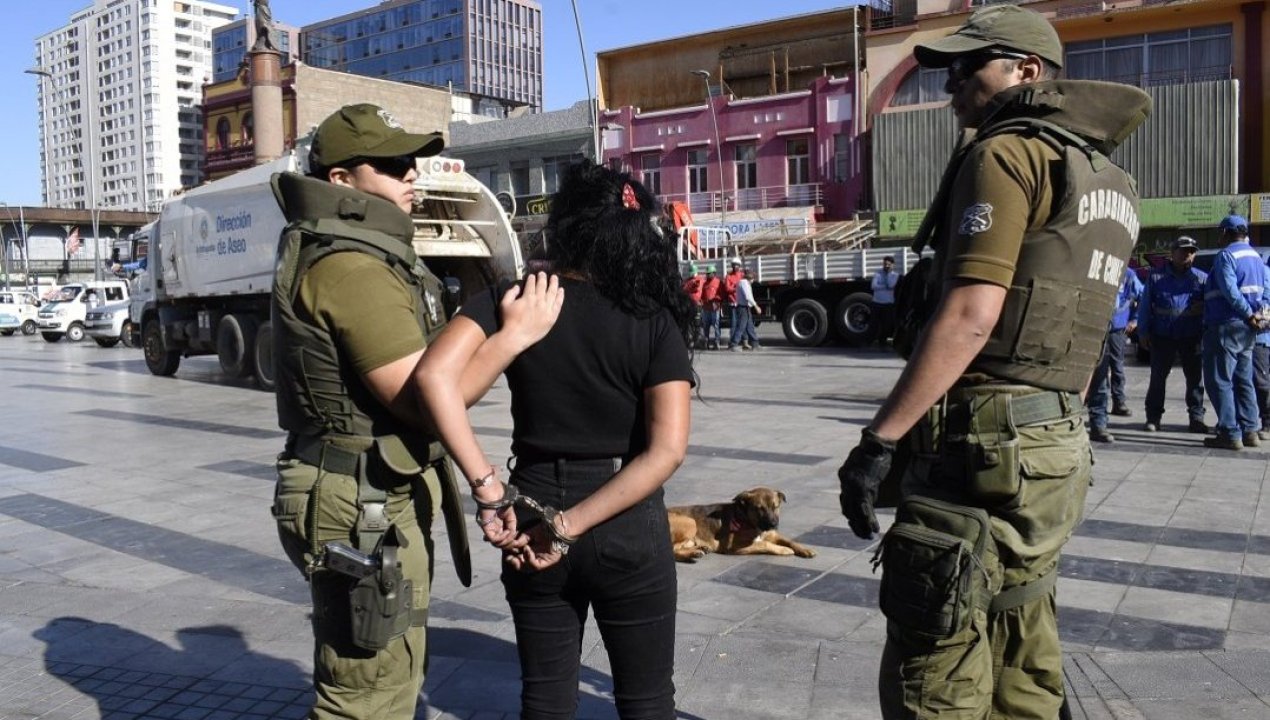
[[488, 47], [119, 88]]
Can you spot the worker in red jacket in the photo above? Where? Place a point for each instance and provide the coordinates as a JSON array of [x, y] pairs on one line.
[[730, 281], [711, 305], [694, 286]]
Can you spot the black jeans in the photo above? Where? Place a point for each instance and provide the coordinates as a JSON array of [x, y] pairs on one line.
[[623, 569], [1163, 351]]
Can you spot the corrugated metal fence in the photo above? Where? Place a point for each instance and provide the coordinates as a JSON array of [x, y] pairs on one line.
[[1188, 147]]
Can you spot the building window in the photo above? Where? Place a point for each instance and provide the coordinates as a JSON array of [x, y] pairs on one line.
[[1162, 58], [553, 171], [650, 167], [746, 166], [797, 162], [520, 178], [697, 172], [923, 85], [248, 129], [222, 133], [840, 167]]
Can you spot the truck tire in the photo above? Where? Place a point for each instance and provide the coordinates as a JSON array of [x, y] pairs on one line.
[[52, 336], [107, 342], [75, 332], [262, 357], [806, 323], [126, 335], [29, 327], [852, 318], [159, 360], [235, 341]]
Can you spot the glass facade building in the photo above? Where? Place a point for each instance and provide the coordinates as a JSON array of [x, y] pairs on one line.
[[489, 47], [231, 43]]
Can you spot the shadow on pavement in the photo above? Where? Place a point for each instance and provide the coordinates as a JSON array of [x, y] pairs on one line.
[[132, 675]]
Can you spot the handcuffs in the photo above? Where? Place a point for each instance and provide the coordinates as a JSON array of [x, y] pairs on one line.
[[560, 541]]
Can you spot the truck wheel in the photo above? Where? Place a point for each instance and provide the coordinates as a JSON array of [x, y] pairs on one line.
[[107, 342], [75, 332], [235, 339], [29, 327], [159, 360], [262, 357], [852, 317], [125, 336], [806, 323], [52, 336]]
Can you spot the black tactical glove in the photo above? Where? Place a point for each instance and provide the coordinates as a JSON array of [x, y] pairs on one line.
[[859, 478]]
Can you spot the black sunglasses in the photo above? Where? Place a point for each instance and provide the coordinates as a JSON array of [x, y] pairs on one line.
[[394, 167], [961, 68]]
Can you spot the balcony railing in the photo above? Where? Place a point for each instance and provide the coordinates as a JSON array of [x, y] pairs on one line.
[[762, 198]]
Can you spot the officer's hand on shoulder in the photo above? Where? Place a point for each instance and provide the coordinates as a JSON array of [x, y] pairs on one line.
[[859, 478]]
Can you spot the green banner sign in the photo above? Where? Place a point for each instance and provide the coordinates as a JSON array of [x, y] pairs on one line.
[[899, 223], [1202, 211]]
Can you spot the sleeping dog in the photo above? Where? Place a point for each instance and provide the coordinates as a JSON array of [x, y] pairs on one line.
[[745, 526]]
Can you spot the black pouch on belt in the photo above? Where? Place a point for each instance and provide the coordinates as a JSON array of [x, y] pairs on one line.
[[989, 456], [380, 603], [934, 567]]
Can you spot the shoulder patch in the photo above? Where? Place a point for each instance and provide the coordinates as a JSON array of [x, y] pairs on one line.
[[976, 219]]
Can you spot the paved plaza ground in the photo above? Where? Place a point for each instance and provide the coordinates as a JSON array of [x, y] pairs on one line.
[[141, 577]]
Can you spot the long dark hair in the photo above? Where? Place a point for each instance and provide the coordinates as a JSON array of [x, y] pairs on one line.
[[617, 244]]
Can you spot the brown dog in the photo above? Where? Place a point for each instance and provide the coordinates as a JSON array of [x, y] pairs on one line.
[[745, 526]]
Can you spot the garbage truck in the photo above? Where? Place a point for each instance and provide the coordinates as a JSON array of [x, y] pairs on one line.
[[210, 260]]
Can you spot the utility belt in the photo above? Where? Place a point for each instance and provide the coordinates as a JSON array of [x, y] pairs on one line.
[[381, 598], [937, 558]]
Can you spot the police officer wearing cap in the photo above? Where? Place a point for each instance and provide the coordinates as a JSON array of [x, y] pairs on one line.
[[359, 480], [1233, 300], [1032, 226], [1170, 325]]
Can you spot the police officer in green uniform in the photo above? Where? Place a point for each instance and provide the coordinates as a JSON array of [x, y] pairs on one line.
[[360, 481], [1032, 227]]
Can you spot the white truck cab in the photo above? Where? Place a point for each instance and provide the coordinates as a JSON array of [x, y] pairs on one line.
[[18, 311], [66, 313]]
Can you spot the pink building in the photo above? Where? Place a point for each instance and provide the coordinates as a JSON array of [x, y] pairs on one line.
[[787, 150]]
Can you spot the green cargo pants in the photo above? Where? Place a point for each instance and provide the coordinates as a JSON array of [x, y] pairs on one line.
[[1032, 477], [352, 682]]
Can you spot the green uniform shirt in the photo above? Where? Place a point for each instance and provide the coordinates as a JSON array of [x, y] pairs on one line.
[[365, 306], [1004, 189]]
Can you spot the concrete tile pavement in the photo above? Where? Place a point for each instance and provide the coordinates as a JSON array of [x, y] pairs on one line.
[[140, 575]]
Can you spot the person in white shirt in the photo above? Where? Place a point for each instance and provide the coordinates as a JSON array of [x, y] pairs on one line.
[[744, 336], [882, 322]]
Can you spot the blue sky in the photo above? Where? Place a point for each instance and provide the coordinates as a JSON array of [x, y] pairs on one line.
[[605, 24]]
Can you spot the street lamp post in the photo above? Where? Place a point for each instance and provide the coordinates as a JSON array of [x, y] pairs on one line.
[[41, 73], [593, 116], [718, 147]]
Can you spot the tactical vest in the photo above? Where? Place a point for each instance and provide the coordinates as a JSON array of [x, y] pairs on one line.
[[1068, 273], [317, 394], [1056, 311]]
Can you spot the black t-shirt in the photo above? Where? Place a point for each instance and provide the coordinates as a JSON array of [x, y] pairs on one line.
[[579, 392]]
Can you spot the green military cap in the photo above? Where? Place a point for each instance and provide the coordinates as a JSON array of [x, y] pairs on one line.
[[1006, 27], [368, 131]]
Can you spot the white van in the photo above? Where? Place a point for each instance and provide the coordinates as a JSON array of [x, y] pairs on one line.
[[18, 311], [66, 312], [108, 325]]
